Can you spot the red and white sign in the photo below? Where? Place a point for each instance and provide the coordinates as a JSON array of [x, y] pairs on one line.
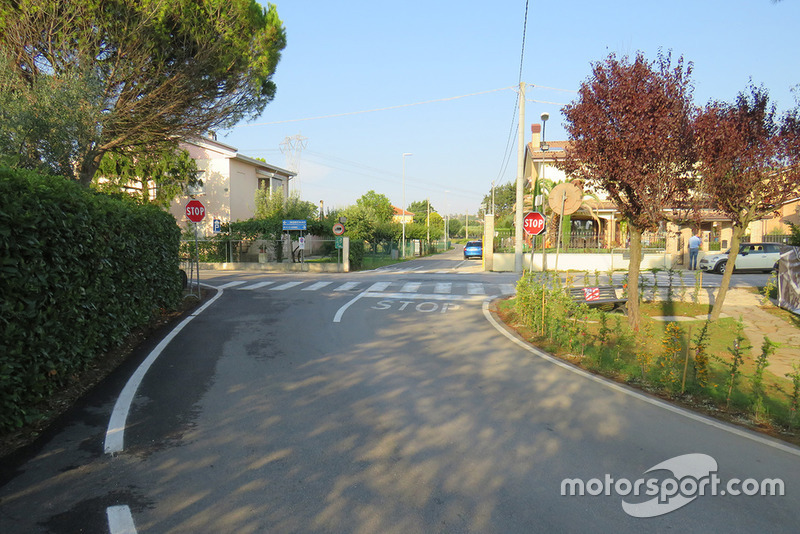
[[338, 229], [533, 223], [195, 211], [591, 293]]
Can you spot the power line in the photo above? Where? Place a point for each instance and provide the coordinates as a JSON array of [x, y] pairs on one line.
[[336, 115], [512, 130]]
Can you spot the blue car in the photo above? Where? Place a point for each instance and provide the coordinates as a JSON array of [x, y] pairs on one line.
[[473, 249]]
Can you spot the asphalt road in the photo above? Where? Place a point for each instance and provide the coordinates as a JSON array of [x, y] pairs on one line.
[[385, 401]]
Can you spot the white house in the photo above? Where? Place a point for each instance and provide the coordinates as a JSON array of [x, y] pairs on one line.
[[230, 181]]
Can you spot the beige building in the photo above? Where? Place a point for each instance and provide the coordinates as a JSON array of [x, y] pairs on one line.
[[230, 181], [399, 216]]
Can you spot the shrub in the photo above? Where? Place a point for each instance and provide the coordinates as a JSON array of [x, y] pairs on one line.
[[80, 271]]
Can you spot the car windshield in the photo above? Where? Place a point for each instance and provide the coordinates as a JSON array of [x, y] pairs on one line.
[[474, 244]]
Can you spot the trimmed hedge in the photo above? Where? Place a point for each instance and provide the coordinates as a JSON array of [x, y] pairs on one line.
[[79, 271]]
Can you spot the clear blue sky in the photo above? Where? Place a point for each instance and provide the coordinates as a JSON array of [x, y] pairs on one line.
[[355, 56]]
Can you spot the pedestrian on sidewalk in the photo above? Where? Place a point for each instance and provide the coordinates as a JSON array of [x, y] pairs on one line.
[[694, 249]]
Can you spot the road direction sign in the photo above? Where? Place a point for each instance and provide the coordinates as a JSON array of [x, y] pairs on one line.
[[195, 211], [338, 229], [533, 223], [294, 224]]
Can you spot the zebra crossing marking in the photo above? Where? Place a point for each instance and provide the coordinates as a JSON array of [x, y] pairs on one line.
[[379, 286], [475, 289], [285, 286], [443, 288], [257, 285], [347, 286], [316, 285], [232, 284], [410, 287]]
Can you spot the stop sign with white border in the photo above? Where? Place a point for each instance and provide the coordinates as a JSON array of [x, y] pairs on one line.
[[195, 211], [533, 223]]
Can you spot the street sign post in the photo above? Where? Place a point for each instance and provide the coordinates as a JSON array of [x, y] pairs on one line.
[[533, 223], [195, 212]]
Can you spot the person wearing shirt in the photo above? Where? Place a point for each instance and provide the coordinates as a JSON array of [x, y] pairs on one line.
[[694, 249]]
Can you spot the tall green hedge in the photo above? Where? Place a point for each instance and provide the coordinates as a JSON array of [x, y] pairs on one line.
[[78, 272]]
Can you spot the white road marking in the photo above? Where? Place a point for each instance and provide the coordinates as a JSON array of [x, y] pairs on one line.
[[379, 286], [115, 434], [317, 285], [443, 287], [410, 287], [475, 289], [231, 284], [347, 286], [287, 285], [257, 285], [120, 520]]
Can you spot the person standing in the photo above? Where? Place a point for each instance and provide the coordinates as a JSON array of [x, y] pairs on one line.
[[694, 249]]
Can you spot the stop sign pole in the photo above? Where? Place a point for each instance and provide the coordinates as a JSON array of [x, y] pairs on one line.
[[195, 212], [533, 224]]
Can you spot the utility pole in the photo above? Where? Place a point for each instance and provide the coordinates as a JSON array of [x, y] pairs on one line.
[[518, 215], [428, 222]]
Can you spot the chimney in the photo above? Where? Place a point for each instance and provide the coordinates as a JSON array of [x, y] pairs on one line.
[[536, 130]]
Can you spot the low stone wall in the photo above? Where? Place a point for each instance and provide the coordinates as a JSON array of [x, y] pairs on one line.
[[603, 262], [274, 267]]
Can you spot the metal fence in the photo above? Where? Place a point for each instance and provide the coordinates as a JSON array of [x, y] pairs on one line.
[[577, 241], [222, 250]]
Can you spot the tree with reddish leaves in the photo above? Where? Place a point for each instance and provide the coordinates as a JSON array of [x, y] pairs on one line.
[[749, 164], [630, 132]]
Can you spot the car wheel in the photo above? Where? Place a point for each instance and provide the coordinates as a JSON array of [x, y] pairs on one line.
[[720, 268]]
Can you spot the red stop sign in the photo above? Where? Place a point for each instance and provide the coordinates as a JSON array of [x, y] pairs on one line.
[[195, 210], [533, 223]]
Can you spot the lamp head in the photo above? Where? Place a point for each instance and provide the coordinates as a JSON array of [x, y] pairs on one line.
[[545, 116]]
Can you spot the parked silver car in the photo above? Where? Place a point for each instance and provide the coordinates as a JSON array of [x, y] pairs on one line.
[[752, 257]]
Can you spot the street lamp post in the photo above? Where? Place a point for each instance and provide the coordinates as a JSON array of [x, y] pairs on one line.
[[403, 215]]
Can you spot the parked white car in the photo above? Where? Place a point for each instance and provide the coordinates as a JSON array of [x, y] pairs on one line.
[[752, 257]]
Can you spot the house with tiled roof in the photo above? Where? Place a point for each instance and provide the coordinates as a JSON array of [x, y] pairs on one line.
[[401, 216], [230, 181]]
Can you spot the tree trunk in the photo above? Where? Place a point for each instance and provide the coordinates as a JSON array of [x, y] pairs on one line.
[[738, 232], [634, 266], [88, 167]]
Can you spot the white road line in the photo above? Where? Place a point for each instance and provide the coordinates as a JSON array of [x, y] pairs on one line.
[[347, 286], [379, 286], [617, 387], [115, 434], [316, 285], [120, 520], [421, 296], [256, 286], [443, 287], [475, 289], [410, 287], [338, 317], [231, 284], [287, 285]]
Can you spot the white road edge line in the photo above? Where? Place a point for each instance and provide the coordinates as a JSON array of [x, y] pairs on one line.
[[617, 387], [338, 317], [115, 434], [120, 520]]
